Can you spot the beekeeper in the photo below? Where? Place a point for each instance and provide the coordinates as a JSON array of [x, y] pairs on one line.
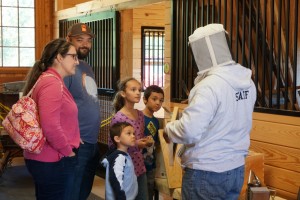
[[215, 126]]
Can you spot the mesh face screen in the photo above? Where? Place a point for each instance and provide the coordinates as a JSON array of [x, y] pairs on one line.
[[201, 54], [220, 47]]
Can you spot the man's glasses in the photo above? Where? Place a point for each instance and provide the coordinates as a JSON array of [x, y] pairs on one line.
[[75, 56]]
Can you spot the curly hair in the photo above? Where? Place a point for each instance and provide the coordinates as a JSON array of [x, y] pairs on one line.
[[152, 88]]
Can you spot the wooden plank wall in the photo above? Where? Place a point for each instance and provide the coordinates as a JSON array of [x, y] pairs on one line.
[[8, 74], [278, 137], [44, 13], [64, 4], [126, 43], [151, 15], [168, 30]]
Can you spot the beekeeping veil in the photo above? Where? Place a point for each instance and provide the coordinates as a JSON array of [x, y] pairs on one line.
[[210, 48]]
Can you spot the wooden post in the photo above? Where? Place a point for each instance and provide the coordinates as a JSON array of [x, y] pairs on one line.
[[172, 163]]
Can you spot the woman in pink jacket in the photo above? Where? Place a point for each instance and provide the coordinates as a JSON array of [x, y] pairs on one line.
[[53, 168]]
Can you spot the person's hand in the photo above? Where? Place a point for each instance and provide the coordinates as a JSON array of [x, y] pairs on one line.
[[186, 101], [149, 141], [166, 137], [81, 141], [72, 154], [142, 143]]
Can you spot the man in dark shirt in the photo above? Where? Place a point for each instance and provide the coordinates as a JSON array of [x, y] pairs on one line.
[[83, 87]]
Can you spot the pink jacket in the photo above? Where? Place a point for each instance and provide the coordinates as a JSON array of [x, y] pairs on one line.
[[59, 119]]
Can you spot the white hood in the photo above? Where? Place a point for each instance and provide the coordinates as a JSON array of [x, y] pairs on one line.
[[210, 48], [237, 76]]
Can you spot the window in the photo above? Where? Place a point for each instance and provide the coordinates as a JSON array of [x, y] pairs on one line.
[[153, 56], [17, 33]]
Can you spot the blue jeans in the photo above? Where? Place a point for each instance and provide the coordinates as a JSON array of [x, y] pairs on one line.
[[53, 180], [88, 160], [142, 187], [205, 185]]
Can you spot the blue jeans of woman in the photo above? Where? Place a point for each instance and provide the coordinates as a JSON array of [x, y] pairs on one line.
[[53, 180], [205, 185]]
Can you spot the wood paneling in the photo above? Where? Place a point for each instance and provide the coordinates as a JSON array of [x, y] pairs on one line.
[[276, 133], [286, 180], [276, 119], [278, 156], [168, 11], [44, 13], [151, 15], [126, 38], [64, 4], [278, 137], [13, 74]]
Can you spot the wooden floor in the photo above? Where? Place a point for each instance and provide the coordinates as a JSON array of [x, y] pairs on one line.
[[16, 184]]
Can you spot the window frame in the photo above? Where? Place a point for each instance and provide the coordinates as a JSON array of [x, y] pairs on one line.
[[160, 60], [19, 47]]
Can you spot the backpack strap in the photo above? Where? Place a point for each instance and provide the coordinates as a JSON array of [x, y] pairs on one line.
[[42, 76]]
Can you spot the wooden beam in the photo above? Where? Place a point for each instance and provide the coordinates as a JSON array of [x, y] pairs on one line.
[[171, 160], [174, 172], [44, 24]]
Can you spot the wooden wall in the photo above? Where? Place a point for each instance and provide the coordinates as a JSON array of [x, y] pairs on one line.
[[278, 137], [151, 15], [126, 42], [64, 4], [11, 74], [168, 20], [131, 22], [44, 13]]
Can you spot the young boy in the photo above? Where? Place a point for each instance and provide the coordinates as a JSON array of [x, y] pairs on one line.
[[153, 99], [120, 181]]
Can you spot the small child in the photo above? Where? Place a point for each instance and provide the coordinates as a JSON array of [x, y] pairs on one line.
[[153, 99], [129, 93], [120, 181]]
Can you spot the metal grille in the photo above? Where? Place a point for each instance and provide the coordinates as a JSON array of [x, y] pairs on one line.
[[153, 56], [106, 110], [262, 36]]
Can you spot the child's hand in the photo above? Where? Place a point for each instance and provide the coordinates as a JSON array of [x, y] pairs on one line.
[[142, 143], [145, 142], [166, 137], [149, 141]]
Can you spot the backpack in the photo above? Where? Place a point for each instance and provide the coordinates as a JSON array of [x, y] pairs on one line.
[[22, 123]]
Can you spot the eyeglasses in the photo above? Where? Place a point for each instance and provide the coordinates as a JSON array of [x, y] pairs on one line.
[[75, 56]]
